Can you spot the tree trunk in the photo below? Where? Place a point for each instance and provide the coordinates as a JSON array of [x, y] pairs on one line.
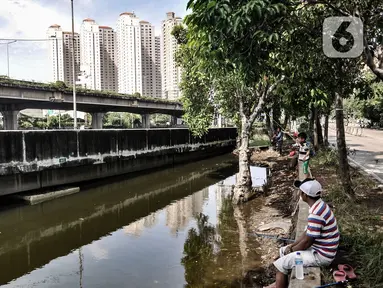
[[243, 184], [326, 119], [277, 113], [318, 129], [285, 121], [269, 126], [311, 122], [314, 116], [344, 168]]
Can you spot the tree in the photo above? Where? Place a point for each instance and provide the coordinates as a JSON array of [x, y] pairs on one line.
[[160, 119], [229, 64], [370, 12], [319, 80], [367, 102], [120, 119]]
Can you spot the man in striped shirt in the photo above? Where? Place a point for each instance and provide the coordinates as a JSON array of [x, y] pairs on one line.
[[319, 243]]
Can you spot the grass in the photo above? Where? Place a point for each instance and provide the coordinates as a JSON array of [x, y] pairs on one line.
[[260, 140], [360, 226], [62, 87]]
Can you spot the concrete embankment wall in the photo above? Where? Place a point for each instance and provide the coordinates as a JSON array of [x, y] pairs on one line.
[[32, 160]]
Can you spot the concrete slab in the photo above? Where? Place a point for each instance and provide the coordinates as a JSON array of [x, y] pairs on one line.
[[33, 199], [312, 274], [312, 278]]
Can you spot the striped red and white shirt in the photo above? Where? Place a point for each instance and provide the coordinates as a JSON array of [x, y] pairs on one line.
[[322, 226]]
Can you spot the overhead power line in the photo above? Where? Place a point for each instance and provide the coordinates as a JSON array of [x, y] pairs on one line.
[[28, 40]]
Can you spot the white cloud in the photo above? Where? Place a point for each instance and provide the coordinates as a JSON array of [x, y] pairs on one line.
[[30, 19], [98, 251]]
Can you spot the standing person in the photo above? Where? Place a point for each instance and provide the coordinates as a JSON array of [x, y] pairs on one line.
[[279, 140], [318, 244], [303, 156]]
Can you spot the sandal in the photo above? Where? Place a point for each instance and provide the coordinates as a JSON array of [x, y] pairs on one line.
[[348, 270], [339, 276]]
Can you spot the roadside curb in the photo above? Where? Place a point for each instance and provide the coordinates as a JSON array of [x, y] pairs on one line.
[[313, 277], [365, 170]]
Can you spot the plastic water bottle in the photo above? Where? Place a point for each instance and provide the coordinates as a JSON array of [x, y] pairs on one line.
[[299, 266]]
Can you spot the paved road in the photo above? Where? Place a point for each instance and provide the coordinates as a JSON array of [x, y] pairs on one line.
[[368, 147]]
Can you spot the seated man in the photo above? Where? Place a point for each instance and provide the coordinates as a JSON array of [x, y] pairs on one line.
[[319, 243]]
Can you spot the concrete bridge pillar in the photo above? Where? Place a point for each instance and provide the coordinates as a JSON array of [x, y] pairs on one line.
[[10, 120], [97, 118], [219, 124], [145, 120], [173, 120]]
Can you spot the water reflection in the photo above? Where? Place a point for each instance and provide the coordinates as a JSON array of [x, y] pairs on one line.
[[180, 213], [165, 229], [212, 254], [199, 252]]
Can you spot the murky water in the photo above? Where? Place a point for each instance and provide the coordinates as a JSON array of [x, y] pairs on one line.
[[170, 228]]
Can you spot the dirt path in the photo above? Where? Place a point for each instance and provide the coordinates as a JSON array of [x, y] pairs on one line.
[[270, 214]]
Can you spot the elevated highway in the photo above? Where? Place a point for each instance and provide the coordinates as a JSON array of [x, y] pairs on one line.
[[21, 95]]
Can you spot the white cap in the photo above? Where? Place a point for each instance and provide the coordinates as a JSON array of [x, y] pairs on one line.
[[310, 187]]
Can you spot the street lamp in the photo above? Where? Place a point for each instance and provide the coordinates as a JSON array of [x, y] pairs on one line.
[[7, 43], [74, 72]]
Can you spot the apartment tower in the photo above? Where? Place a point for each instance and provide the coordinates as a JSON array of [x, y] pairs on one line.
[[60, 54], [171, 74], [129, 54], [97, 54], [148, 59], [158, 58]]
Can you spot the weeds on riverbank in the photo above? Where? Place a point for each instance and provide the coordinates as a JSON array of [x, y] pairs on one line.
[[359, 224]]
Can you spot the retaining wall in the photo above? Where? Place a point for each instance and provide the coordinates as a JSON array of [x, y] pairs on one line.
[[32, 160]]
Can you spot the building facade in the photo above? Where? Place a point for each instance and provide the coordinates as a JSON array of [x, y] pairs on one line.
[[61, 53], [157, 44], [97, 54], [109, 79], [148, 59], [129, 60], [171, 74]]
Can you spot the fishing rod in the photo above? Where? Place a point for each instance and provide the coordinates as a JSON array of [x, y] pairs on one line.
[[268, 236], [333, 284], [280, 126], [272, 237]]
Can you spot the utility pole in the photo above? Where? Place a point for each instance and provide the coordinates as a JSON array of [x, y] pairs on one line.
[[7, 48], [74, 72]]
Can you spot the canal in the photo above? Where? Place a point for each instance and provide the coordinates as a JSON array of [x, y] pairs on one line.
[[167, 228]]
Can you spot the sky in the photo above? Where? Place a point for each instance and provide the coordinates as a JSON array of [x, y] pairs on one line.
[[30, 19]]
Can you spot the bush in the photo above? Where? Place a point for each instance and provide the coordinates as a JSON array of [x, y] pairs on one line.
[[358, 225], [303, 127], [359, 236], [326, 157], [62, 87]]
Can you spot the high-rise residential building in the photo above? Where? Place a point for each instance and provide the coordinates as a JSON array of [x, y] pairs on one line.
[[148, 59], [61, 53], [157, 48], [129, 54], [171, 73], [98, 65]]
